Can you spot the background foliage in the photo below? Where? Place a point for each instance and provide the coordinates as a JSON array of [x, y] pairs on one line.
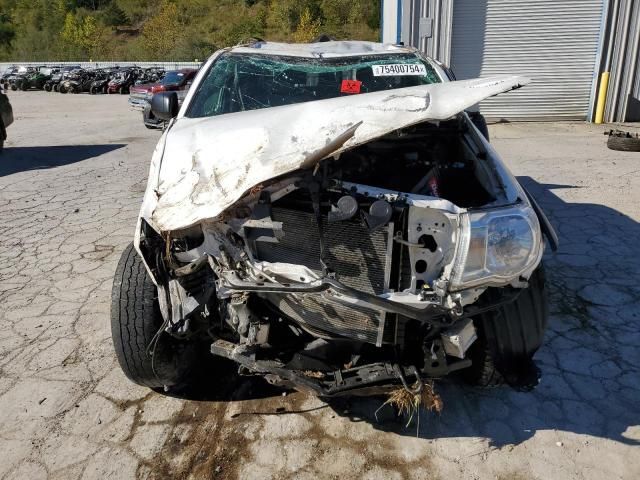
[[50, 30]]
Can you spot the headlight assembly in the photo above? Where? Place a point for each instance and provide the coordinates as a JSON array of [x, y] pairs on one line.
[[497, 246]]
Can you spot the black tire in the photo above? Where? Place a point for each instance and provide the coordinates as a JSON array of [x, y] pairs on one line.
[[23, 87], [92, 91], [14, 87], [47, 87], [62, 89], [508, 337], [624, 143], [135, 320], [56, 88]]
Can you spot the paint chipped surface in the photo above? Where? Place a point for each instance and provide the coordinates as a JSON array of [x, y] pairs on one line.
[[209, 163]]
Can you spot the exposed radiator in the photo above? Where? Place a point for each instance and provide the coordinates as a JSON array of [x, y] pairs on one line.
[[356, 255]]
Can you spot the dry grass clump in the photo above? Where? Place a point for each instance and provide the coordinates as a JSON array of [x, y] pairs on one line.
[[409, 404]]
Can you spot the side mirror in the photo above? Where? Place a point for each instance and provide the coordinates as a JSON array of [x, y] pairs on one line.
[[164, 105]]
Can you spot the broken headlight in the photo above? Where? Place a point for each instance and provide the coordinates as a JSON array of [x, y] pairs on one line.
[[497, 247]]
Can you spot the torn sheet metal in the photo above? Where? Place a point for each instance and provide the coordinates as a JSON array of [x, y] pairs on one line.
[[209, 163]]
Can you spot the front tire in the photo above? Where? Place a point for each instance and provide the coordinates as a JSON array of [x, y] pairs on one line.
[[135, 320], [509, 336]]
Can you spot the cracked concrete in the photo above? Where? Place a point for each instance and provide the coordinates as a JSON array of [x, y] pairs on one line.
[[71, 182]]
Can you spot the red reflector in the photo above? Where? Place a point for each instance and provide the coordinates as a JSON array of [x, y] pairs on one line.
[[350, 86]]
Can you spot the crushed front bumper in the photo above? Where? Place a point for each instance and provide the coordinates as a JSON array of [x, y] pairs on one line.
[[370, 379]]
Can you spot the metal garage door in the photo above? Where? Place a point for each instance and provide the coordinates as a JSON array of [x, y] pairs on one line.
[[553, 42]]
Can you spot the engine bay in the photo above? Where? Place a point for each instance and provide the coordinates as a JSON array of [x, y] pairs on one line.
[[426, 159]]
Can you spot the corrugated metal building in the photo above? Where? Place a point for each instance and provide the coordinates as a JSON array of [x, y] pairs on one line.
[[621, 57], [562, 45]]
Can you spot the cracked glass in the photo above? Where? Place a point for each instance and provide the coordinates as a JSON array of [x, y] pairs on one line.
[[241, 82]]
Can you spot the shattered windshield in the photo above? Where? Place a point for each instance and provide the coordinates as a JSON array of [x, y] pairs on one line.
[[240, 82]]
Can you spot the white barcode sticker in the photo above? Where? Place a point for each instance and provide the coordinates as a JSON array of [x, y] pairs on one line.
[[397, 69]]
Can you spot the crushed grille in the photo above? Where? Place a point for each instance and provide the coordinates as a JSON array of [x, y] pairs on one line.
[[355, 254]]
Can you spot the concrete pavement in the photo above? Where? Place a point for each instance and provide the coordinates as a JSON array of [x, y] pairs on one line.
[[71, 181]]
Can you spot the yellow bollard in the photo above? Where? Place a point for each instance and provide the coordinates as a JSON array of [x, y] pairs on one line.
[[602, 97]]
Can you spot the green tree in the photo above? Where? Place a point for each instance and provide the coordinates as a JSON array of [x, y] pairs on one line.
[[83, 36], [7, 31], [308, 28], [250, 22], [345, 18], [137, 10], [162, 31], [285, 15], [42, 30], [113, 15]]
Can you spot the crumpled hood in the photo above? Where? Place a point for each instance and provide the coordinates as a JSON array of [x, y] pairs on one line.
[[209, 163]]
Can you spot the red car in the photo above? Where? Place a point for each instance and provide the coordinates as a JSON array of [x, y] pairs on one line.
[[122, 81], [174, 80]]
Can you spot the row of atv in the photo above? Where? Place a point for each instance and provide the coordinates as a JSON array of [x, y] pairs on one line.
[[74, 79]]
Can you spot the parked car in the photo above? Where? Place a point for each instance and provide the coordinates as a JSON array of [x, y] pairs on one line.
[[102, 79], [14, 80], [150, 75], [57, 77], [79, 81], [122, 81], [327, 216], [6, 116], [150, 120], [175, 80], [38, 78], [7, 73]]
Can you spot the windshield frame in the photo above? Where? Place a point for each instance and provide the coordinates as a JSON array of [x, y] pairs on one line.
[[204, 73]]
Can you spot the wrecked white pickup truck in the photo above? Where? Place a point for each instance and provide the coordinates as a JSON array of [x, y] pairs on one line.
[[328, 216]]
